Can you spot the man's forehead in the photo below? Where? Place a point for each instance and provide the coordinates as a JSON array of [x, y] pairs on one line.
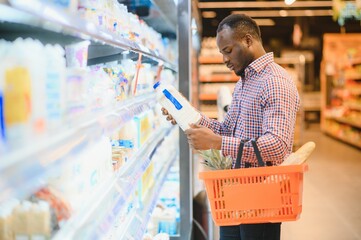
[[225, 35]]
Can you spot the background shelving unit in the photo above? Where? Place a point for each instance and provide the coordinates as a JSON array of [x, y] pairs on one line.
[[24, 172], [213, 74], [341, 87]]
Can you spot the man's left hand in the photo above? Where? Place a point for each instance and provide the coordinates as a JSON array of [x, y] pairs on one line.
[[203, 138]]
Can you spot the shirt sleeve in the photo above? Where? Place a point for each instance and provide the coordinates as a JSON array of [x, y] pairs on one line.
[[224, 128], [280, 102]]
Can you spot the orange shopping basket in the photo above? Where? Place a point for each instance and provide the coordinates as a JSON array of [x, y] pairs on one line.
[[255, 195]]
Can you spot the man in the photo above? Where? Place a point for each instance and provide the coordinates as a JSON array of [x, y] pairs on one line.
[[264, 106]]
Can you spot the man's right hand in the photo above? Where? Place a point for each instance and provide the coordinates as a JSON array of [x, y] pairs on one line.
[[169, 117]]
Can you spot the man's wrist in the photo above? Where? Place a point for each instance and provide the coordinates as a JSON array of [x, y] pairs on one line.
[[217, 142]]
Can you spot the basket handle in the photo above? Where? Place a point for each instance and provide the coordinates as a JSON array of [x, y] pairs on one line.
[[256, 151]]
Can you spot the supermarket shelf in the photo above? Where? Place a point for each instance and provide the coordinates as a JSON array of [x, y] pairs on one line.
[[38, 14], [353, 76], [332, 134], [219, 78], [211, 114], [96, 217], [136, 226], [167, 23], [208, 60], [354, 106], [356, 61], [207, 97], [354, 91], [23, 171], [347, 121]]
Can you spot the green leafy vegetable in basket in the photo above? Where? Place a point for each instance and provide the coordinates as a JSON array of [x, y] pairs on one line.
[[214, 160]]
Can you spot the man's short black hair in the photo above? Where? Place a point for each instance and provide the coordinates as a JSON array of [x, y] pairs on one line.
[[241, 24]]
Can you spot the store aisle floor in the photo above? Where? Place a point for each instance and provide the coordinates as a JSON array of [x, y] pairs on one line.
[[332, 193]]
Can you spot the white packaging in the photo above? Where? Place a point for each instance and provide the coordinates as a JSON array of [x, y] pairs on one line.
[[177, 105]]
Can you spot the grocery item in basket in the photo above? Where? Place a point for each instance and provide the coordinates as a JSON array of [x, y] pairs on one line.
[[301, 155], [214, 160]]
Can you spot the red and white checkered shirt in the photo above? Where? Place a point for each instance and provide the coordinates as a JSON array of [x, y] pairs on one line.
[[264, 107]]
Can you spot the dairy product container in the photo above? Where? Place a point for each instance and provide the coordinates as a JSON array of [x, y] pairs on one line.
[[177, 105]]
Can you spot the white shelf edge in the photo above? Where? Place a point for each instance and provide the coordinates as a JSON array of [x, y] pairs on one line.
[[33, 13], [145, 213], [141, 159], [41, 156]]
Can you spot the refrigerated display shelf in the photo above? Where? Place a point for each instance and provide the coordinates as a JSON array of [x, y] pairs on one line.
[[22, 171], [136, 226], [38, 14], [95, 218]]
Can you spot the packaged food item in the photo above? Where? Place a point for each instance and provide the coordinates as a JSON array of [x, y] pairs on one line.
[[55, 85], [177, 105], [68, 5], [77, 54]]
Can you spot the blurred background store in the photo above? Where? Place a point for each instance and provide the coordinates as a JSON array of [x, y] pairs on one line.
[[85, 152]]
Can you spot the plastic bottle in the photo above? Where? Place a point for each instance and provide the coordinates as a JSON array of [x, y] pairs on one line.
[[17, 93], [180, 109], [5, 223], [35, 61], [55, 82]]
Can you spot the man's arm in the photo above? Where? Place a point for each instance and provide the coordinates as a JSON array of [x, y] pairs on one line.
[[280, 103]]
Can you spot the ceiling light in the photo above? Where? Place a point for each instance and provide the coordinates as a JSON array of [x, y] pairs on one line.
[[264, 4], [289, 2], [289, 13], [209, 14]]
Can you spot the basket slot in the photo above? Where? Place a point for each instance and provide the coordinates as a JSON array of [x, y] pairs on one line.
[[286, 194]]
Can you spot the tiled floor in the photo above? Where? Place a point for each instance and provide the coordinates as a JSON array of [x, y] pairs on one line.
[[332, 193]]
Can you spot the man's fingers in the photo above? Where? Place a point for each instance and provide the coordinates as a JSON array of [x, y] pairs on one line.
[[193, 125], [173, 122], [164, 111]]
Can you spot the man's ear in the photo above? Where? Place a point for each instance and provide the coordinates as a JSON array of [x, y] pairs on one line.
[[249, 39]]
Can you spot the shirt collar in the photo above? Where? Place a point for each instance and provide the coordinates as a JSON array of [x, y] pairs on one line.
[[258, 65]]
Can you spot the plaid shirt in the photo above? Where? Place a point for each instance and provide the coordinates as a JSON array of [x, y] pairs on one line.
[[264, 106]]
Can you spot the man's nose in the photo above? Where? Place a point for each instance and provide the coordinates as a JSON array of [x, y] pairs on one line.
[[225, 59]]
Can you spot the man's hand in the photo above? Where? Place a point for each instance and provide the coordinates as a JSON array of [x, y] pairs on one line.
[[203, 138], [169, 117]]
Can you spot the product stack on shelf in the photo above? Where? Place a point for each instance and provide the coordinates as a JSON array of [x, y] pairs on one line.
[[213, 74], [84, 148], [341, 87]]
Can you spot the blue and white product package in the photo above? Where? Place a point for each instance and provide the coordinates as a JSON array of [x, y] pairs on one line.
[[177, 105]]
